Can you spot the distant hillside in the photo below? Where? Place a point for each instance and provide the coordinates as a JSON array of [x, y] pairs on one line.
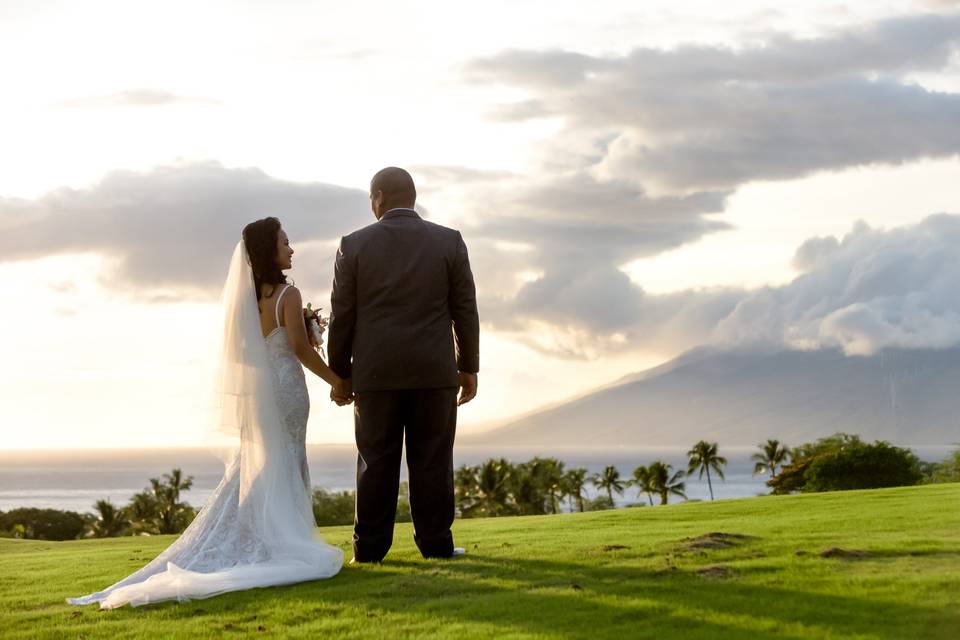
[[742, 398]]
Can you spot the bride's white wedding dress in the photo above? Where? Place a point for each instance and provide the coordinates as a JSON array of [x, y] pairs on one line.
[[257, 529]]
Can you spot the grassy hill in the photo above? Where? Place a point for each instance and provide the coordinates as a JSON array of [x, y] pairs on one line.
[[634, 573]]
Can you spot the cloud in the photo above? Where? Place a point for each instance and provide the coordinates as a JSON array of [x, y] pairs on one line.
[[546, 244], [651, 146], [577, 221], [548, 249], [550, 280], [135, 98], [447, 174], [871, 290], [699, 118], [167, 233], [943, 4], [173, 228]]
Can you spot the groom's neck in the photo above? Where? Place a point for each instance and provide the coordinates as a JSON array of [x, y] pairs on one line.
[[384, 211]]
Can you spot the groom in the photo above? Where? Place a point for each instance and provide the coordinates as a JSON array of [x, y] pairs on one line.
[[405, 336]]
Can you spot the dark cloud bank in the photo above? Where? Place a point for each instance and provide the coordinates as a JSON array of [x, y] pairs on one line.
[[174, 227], [705, 117]]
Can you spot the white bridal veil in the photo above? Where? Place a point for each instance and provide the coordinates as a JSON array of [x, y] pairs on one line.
[[257, 528]]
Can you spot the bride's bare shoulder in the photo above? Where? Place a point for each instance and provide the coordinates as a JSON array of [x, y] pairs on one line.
[[292, 298]]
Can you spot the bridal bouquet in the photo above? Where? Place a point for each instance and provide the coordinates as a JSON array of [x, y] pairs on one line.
[[315, 324]]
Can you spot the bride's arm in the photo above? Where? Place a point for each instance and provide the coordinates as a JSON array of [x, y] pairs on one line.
[[292, 309]]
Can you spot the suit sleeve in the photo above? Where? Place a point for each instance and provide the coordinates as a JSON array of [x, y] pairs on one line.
[[343, 313], [463, 310]]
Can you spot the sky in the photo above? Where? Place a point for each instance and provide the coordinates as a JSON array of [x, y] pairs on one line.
[[632, 181]]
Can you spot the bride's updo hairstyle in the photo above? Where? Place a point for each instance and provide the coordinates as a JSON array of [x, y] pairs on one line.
[[260, 239]]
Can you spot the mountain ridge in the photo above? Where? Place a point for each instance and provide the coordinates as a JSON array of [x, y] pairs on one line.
[[741, 397]]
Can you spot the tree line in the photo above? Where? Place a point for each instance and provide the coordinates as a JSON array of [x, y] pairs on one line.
[[542, 485], [158, 509], [499, 487]]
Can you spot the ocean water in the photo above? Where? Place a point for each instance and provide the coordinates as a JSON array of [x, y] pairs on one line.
[[76, 479]]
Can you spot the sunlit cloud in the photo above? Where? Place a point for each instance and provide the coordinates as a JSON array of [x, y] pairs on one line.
[[870, 290]]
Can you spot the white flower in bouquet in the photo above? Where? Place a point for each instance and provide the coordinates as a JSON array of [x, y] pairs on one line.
[[315, 325]]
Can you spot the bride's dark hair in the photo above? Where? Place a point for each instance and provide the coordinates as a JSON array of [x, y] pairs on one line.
[[260, 239]]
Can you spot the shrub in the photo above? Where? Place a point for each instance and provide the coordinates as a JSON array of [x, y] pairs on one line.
[[791, 477], [600, 503], [866, 466], [331, 508], [43, 524], [842, 462], [946, 471], [403, 504]]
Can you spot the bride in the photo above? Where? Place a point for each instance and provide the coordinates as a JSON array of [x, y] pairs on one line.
[[257, 528]]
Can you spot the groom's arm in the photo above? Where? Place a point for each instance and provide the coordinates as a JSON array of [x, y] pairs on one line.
[[463, 310], [343, 313]]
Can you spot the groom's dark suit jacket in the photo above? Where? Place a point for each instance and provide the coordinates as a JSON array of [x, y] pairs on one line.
[[404, 306]]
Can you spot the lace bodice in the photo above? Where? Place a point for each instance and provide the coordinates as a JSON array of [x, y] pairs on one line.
[[292, 397]]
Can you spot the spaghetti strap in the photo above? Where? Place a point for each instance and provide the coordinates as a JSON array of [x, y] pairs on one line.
[[276, 311]]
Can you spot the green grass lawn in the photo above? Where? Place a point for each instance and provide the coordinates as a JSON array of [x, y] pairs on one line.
[[620, 574]]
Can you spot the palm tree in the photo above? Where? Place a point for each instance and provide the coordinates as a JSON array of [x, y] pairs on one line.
[[158, 509], [703, 456], [772, 455], [465, 487], [142, 512], [573, 485], [529, 487], [111, 521], [642, 481], [492, 487], [610, 481], [172, 515], [553, 471], [663, 483], [177, 483]]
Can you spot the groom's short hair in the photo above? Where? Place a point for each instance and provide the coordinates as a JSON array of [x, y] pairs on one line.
[[397, 187]]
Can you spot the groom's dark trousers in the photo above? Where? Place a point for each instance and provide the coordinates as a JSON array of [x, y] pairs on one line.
[[428, 420], [403, 325]]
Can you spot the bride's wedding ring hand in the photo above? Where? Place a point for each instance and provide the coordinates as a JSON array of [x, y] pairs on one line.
[[342, 392], [342, 402]]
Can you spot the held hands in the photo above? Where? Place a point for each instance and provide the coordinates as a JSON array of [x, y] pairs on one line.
[[468, 388], [341, 392]]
